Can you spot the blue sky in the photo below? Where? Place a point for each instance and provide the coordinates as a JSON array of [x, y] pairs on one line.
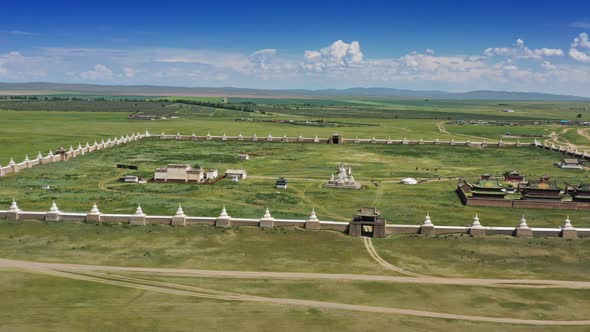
[[444, 45]]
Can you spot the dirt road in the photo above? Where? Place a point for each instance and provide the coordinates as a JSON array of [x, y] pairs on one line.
[[516, 283], [184, 290], [373, 253]]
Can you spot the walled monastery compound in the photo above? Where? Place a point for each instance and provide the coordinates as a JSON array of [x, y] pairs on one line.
[[363, 220]]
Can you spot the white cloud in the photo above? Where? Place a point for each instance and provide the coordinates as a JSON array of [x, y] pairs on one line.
[[100, 72], [263, 59], [15, 66], [521, 51], [579, 55], [580, 42], [339, 64], [548, 65], [337, 55]]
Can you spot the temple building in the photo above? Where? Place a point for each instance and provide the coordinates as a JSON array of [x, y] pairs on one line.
[[179, 173], [514, 176], [570, 164], [580, 193], [344, 179], [487, 188], [543, 189]]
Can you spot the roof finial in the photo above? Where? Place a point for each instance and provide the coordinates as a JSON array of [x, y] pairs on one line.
[[223, 213], [94, 209], [567, 224], [267, 215], [523, 223], [313, 216], [180, 212], [476, 223], [427, 221], [139, 211], [54, 208], [13, 206]]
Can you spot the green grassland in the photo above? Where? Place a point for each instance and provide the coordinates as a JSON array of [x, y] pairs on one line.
[[33, 131], [292, 250], [32, 302], [493, 257], [424, 109], [81, 181], [481, 301], [35, 302], [43, 303]]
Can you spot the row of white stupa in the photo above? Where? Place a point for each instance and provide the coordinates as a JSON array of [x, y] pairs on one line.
[[96, 145], [561, 148], [268, 217], [316, 139], [139, 212]]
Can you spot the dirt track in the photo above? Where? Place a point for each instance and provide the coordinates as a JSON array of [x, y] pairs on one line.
[[183, 290], [373, 253], [516, 283]]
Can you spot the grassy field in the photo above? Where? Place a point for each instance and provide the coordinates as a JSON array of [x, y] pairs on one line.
[[203, 247], [36, 302], [253, 249], [43, 303], [33, 131], [32, 302], [93, 178], [481, 301], [493, 257]]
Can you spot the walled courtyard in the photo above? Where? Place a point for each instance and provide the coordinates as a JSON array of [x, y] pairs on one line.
[[76, 184]]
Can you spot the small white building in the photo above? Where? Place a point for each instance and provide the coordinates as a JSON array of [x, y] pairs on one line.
[[244, 156], [130, 179], [236, 174], [179, 173], [211, 174]]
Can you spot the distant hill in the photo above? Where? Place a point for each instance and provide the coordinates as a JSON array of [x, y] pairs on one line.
[[151, 90]]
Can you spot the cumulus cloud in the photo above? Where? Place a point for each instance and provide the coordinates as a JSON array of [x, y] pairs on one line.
[[339, 64], [16, 66], [579, 43], [521, 51], [100, 72], [579, 55], [264, 59], [337, 55]]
